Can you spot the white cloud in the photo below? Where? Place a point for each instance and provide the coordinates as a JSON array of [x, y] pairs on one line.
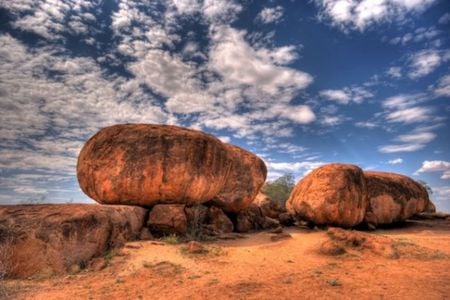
[[239, 64], [409, 142], [443, 87], [347, 95], [420, 34], [297, 168], [403, 109], [410, 115], [221, 10], [357, 14], [396, 161], [444, 19], [339, 96], [394, 72], [424, 62], [436, 166], [270, 14], [48, 18]]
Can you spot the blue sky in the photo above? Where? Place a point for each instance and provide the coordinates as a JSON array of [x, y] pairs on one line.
[[300, 83]]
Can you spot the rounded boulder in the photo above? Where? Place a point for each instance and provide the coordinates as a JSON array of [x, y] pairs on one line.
[[393, 198], [144, 164], [334, 194], [247, 175]]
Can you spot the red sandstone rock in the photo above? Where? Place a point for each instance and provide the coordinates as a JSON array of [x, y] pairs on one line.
[[247, 175], [218, 220], [333, 194], [167, 219], [393, 198], [269, 207], [143, 164], [49, 239]]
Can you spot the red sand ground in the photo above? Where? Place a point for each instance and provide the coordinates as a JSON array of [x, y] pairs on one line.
[[257, 268]]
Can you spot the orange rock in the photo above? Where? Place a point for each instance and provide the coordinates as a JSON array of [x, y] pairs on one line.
[[50, 239], [393, 198], [269, 207], [143, 164], [333, 194], [247, 175], [167, 219], [219, 221]]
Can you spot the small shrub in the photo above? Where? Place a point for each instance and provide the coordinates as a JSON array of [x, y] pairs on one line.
[[334, 282], [171, 239], [6, 251]]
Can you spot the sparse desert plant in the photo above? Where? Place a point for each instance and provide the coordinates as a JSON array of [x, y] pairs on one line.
[[195, 230], [171, 239], [6, 248]]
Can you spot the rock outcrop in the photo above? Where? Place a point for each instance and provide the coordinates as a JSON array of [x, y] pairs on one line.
[[143, 164], [49, 239], [333, 194], [393, 198], [247, 175]]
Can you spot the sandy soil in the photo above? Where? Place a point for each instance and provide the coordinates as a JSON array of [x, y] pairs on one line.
[[257, 268]]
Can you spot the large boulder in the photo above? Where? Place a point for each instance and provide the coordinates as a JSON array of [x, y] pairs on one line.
[[393, 198], [247, 175], [143, 164], [333, 194], [42, 240], [167, 219]]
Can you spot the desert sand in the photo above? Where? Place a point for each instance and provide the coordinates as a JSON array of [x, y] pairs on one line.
[[408, 262]]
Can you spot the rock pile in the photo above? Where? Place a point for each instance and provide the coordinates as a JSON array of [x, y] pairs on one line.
[[344, 195]]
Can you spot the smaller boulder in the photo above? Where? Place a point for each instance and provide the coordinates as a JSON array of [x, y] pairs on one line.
[[253, 219], [333, 194], [270, 208], [167, 219], [286, 219], [219, 221]]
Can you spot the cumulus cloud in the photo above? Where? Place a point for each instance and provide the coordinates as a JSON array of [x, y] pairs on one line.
[[435, 166], [359, 15], [239, 64], [270, 14]]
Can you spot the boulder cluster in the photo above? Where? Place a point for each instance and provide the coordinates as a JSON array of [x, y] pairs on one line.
[[159, 180], [346, 196], [190, 180]]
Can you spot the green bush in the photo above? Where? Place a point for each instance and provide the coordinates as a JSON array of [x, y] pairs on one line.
[[280, 188]]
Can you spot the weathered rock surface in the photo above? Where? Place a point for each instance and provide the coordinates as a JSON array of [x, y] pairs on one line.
[[393, 198], [218, 221], [269, 207], [253, 219], [143, 164], [49, 239], [247, 175], [430, 208], [333, 194], [165, 219]]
